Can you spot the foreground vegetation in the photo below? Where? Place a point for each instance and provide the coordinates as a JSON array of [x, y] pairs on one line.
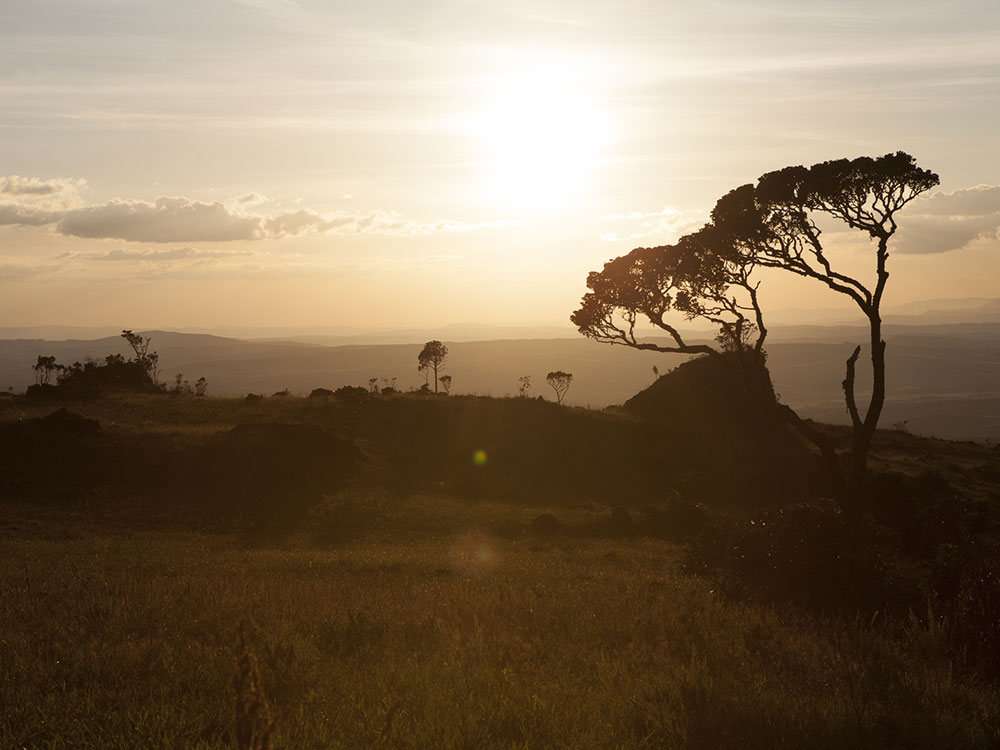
[[125, 640], [433, 601]]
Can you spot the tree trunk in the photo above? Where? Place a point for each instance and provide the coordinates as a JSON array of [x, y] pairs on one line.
[[863, 433]]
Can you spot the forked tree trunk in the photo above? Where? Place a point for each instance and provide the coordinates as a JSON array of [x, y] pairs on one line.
[[864, 429]]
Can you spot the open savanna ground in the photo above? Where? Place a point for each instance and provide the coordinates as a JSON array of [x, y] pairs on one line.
[[439, 633], [401, 589]]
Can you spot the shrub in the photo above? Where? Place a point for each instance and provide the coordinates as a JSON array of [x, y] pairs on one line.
[[351, 395], [967, 589], [676, 519], [619, 522], [545, 525], [809, 554]]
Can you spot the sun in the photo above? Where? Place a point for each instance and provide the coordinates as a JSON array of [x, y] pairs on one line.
[[542, 136]]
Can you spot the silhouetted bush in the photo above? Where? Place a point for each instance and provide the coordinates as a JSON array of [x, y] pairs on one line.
[[42, 391], [677, 519], [254, 397], [352, 396], [619, 522], [809, 554], [544, 525], [93, 378], [967, 587], [321, 393], [926, 511]]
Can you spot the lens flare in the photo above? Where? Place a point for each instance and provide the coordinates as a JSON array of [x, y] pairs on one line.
[[479, 458]]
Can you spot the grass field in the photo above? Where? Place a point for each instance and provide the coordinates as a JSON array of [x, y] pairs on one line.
[[431, 620]]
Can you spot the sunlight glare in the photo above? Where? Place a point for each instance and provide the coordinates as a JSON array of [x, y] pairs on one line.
[[542, 136]]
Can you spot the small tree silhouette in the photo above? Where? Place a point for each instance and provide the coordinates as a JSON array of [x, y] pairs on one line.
[[523, 386], [559, 381], [445, 381], [44, 369], [431, 359], [149, 360]]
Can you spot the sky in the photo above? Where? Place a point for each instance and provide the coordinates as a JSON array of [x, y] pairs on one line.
[[399, 163]]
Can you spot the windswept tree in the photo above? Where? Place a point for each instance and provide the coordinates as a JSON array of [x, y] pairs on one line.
[[445, 381], [560, 382], [709, 275], [431, 359], [776, 222]]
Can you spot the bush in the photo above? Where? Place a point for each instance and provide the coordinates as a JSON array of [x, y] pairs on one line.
[[967, 589], [351, 394], [809, 554], [677, 519], [545, 525], [619, 522]]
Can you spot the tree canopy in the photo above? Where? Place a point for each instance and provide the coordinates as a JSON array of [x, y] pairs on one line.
[[560, 382], [431, 359]]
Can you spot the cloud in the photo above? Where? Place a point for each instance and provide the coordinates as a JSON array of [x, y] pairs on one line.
[[180, 253], [17, 185], [163, 220], [666, 225], [941, 222], [250, 199], [14, 215], [32, 196], [37, 203]]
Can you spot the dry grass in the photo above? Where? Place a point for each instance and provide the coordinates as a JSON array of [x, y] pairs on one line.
[[451, 640]]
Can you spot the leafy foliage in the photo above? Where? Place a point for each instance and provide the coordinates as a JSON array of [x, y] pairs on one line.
[[431, 360]]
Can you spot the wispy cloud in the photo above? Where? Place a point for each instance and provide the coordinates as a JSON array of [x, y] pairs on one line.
[[20, 269], [159, 256], [665, 225]]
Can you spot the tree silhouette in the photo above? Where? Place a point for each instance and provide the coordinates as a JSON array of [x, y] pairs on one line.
[[445, 381], [149, 360], [431, 359], [523, 386], [560, 382], [44, 368], [709, 275]]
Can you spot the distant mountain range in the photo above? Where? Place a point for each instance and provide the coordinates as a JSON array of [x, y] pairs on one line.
[[923, 313], [944, 378]]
